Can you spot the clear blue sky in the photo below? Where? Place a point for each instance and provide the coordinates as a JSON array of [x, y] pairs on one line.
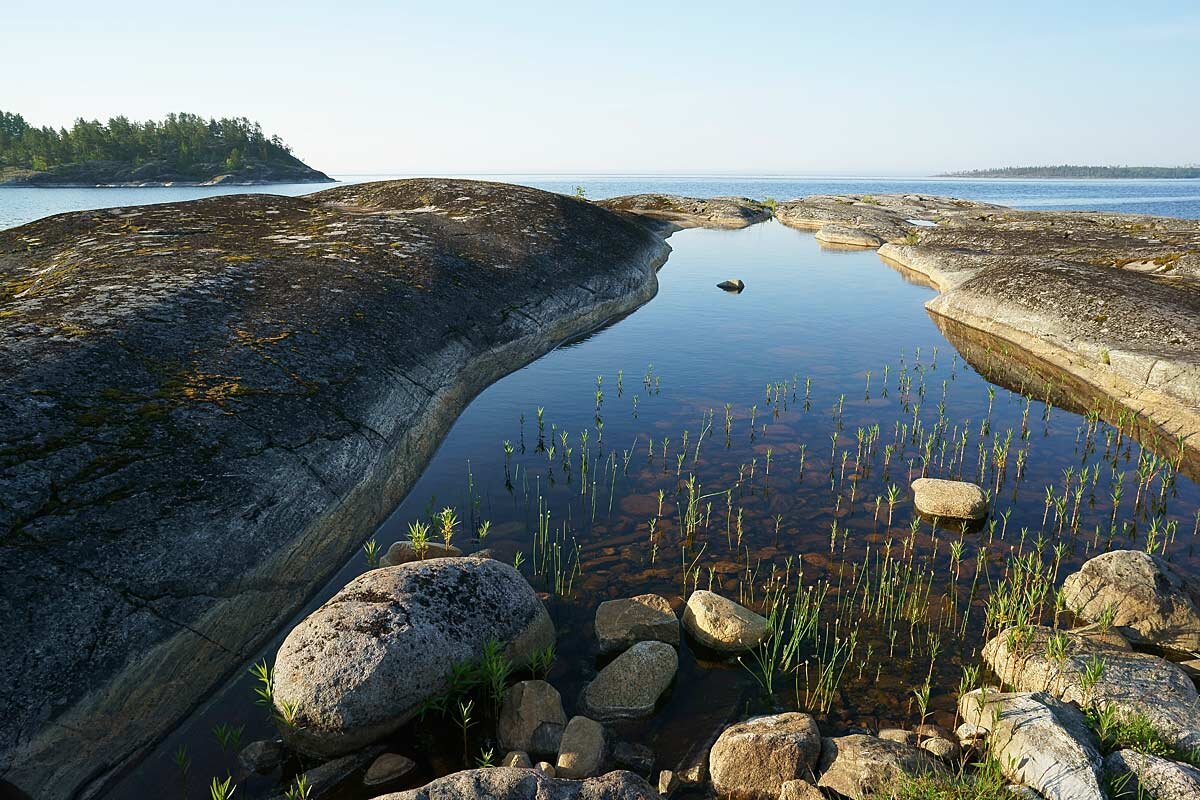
[[731, 87]]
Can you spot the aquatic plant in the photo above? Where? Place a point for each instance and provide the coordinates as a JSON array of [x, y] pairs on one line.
[[299, 789], [222, 790], [418, 537], [372, 551]]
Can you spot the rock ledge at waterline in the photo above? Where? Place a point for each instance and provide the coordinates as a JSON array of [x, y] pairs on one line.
[[1106, 303], [208, 404]]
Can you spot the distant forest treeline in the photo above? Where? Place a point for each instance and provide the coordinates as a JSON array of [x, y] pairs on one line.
[[1072, 171], [187, 143]]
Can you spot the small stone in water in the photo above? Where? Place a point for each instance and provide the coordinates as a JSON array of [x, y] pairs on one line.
[[387, 768]]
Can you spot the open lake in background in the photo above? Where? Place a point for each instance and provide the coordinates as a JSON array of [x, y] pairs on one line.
[[743, 441]]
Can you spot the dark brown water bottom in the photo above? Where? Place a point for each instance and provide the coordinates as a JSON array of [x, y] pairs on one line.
[[811, 395]]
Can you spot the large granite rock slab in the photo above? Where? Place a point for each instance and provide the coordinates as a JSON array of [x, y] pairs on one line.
[[363, 664], [1152, 602], [1141, 775], [857, 766], [207, 406]]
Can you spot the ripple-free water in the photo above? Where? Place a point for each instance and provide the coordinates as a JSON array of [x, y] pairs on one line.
[[821, 347]]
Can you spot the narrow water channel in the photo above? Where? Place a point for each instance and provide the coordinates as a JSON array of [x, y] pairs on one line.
[[802, 401]]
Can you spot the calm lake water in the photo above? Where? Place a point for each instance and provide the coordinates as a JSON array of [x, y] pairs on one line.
[[743, 441], [1170, 198]]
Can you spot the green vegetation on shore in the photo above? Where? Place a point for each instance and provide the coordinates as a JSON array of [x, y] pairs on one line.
[[1073, 171], [182, 147]]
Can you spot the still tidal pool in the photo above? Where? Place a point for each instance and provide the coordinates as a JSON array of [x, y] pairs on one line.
[[761, 444]]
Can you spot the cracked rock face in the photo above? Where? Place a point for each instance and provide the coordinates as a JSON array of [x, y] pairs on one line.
[[208, 405], [361, 665]]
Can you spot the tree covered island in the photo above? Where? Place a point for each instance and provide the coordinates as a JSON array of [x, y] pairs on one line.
[[1077, 172], [181, 149]]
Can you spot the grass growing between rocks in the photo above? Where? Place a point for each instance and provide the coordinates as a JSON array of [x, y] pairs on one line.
[[1125, 731], [982, 781]]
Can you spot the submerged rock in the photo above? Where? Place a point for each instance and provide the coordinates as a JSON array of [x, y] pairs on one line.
[[949, 500], [505, 783], [1038, 741], [263, 378], [262, 756], [858, 765], [1149, 600], [582, 750], [531, 717], [621, 624], [721, 624], [361, 665], [752, 760], [1142, 775], [1129, 683], [387, 768], [630, 685]]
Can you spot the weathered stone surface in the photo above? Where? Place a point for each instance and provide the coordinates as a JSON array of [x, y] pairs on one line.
[[752, 760], [721, 624], [737, 285], [1140, 775], [546, 768], [504, 783], [859, 765], [1131, 683], [582, 749], [528, 706], [847, 236], [670, 212], [623, 623], [403, 552], [361, 665], [206, 405], [898, 735], [516, 758], [935, 497], [1154, 603], [667, 782], [800, 790], [630, 685], [1039, 742], [387, 768]]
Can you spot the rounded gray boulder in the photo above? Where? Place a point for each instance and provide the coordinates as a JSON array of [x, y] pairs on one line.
[[361, 665]]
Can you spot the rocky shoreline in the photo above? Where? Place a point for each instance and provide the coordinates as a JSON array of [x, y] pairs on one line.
[[1107, 300]]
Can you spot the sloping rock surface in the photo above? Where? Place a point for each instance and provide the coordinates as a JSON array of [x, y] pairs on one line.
[[207, 405]]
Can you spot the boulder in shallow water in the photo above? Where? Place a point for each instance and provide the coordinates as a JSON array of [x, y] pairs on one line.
[[857, 766], [948, 500], [506, 783], [620, 624], [721, 624], [387, 768], [629, 687], [582, 749], [1152, 602], [752, 760], [362, 664], [735, 286], [529, 707]]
